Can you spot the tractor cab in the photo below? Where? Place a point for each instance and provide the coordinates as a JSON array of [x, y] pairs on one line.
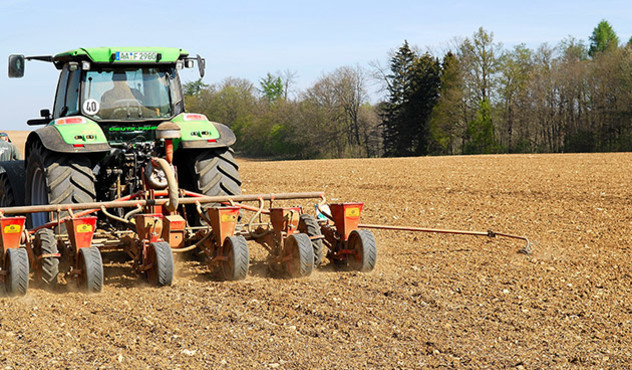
[[126, 91], [116, 111], [119, 94]]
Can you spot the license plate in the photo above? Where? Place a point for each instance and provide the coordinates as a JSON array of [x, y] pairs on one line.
[[136, 56]]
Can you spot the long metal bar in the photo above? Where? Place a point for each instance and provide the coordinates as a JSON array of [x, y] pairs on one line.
[[83, 213], [528, 249], [155, 202], [243, 206]]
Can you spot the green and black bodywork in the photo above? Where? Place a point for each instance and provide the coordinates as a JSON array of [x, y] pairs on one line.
[[97, 142]]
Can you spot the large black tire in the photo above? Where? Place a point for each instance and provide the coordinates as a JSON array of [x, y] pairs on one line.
[[307, 225], [298, 255], [45, 248], [12, 178], [210, 172], [7, 199], [161, 260], [16, 264], [364, 258], [235, 249], [91, 266], [56, 178]]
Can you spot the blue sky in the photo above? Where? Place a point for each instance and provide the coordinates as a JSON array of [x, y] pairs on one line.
[[248, 39]]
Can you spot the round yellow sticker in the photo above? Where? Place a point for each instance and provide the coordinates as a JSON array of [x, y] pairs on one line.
[[12, 229], [84, 228]]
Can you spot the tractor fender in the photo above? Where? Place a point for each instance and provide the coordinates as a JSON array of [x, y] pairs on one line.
[[226, 138], [16, 173], [52, 139]]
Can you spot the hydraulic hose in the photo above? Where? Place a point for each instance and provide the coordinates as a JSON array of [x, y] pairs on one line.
[[172, 183]]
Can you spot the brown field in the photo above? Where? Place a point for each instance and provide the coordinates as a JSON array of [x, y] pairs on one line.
[[432, 300]]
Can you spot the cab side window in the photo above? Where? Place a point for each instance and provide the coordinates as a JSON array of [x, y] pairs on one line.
[[67, 97], [72, 92], [60, 97]]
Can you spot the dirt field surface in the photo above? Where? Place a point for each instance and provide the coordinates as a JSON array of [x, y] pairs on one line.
[[432, 300]]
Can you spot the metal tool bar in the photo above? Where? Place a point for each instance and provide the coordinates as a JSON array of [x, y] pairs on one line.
[[155, 202]]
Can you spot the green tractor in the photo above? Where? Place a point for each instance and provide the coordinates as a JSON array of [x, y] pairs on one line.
[[97, 143]]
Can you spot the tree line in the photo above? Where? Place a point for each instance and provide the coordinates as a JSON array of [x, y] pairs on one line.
[[477, 98]]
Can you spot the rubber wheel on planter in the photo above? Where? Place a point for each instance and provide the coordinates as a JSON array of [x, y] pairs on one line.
[[235, 249], [16, 264], [211, 172], [45, 248], [364, 256], [56, 178], [307, 225], [91, 267], [161, 259], [298, 255]]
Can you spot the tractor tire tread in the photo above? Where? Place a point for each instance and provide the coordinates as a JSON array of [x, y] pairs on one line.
[[7, 199], [69, 177], [212, 172]]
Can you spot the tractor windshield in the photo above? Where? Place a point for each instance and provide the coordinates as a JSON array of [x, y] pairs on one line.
[[130, 94]]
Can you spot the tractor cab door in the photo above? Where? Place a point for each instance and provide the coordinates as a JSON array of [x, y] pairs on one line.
[[67, 97]]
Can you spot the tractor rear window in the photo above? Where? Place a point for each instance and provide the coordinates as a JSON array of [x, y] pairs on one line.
[[128, 94]]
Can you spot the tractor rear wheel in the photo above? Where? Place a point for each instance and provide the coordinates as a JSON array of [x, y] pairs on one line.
[[210, 172], [45, 251], [16, 264], [237, 258], [56, 178], [161, 259], [307, 225], [298, 255], [91, 267]]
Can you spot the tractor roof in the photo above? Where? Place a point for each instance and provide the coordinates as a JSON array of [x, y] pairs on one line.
[[121, 55]]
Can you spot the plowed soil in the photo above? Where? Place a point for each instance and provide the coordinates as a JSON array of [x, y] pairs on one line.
[[432, 300]]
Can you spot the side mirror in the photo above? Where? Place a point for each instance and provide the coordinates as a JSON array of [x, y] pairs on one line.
[[201, 65], [16, 66], [45, 113]]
